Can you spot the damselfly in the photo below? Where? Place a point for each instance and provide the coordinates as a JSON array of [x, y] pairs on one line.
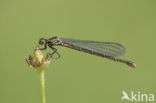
[[103, 49]]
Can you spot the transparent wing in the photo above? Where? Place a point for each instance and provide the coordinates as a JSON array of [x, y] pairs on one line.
[[107, 48]]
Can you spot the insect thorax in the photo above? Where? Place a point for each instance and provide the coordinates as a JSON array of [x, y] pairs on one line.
[[55, 41]]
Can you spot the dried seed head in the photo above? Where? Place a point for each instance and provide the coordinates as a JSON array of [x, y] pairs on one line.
[[39, 61]]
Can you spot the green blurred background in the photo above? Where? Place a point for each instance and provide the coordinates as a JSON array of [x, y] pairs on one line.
[[77, 77]]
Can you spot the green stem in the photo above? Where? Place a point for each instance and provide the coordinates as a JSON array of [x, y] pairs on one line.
[[41, 73]]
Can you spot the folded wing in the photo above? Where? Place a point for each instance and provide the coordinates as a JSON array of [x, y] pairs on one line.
[[106, 48]]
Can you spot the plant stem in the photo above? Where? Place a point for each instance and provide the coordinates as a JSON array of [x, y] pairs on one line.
[[41, 73]]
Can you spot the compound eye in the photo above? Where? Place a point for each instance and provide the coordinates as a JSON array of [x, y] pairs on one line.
[[42, 41]]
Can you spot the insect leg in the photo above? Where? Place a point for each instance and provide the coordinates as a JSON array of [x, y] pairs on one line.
[[45, 47], [55, 51]]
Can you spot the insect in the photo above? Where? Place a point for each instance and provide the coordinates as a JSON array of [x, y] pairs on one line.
[[103, 49]]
